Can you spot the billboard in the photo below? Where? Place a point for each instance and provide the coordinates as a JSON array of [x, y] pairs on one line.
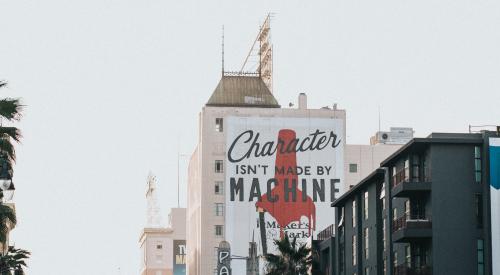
[[495, 202], [282, 174], [179, 265]]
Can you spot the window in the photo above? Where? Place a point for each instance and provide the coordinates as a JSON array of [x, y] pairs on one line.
[[219, 166], [395, 259], [477, 163], [425, 171], [365, 210], [341, 257], [415, 168], [479, 210], [407, 170], [480, 257], [353, 167], [219, 124], [159, 246], [367, 243], [367, 271], [394, 214], [354, 249], [408, 256], [384, 232], [219, 187], [407, 209], [219, 230], [159, 258], [354, 213], [219, 209]]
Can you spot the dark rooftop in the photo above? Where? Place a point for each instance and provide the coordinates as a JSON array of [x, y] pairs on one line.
[[242, 91], [378, 174]]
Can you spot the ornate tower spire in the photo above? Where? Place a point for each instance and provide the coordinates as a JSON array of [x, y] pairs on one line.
[[153, 211]]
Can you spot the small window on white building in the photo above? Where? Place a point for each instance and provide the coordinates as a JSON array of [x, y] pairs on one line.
[[219, 209], [159, 246], [353, 167], [219, 124], [219, 187], [219, 167], [219, 230]]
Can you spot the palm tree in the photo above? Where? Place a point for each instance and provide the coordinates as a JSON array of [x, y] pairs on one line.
[[293, 258], [10, 110], [14, 260]]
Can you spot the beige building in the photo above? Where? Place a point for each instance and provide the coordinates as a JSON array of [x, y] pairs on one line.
[[361, 160], [244, 96], [163, 248]]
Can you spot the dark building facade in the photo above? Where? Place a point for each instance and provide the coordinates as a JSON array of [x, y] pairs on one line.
[[426, 210]]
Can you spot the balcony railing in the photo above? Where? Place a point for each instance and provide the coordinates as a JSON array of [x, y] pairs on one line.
[[416, 182], [402, 222], [401, 176], [326, 233], [404, 269]]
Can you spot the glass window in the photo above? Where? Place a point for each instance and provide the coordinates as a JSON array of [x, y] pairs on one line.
[[395, 259], [219, 124], [367, 271], [366, 204], [219, 209], [219, 168], [219, 187], [408, 255], [480, 257], [354, 213], [354, 249], [159, 246], [477, 164], [407, 209], [406, 175], [353, 167], [367, 243], [219, 230], [479, 210], [384, 232], [415, 168]]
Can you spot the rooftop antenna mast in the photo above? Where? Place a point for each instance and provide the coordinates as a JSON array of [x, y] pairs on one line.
[[264, 53], [222, 50]]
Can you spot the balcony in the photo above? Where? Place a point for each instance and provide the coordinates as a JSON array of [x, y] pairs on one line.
[[327, 233], [404, 186], [405, 270], [406, 229]]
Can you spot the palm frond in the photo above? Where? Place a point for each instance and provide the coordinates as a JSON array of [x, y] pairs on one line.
[[7, 148], [7, 214], [10, 132]]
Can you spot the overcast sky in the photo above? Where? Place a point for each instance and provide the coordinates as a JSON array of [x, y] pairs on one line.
[[111, 86]]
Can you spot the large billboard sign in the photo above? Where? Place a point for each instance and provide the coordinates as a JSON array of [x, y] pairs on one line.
[[495, 202], [179, 266], [282, 174]]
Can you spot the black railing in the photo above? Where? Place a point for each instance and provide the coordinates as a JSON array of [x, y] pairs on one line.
[[401, 176], [326, 233], [402, 222], [404, 269]]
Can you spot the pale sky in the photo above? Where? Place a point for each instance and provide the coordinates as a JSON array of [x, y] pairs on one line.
[[111, 86]]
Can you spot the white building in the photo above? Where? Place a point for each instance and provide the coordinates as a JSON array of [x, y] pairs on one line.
[[163, 249]]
